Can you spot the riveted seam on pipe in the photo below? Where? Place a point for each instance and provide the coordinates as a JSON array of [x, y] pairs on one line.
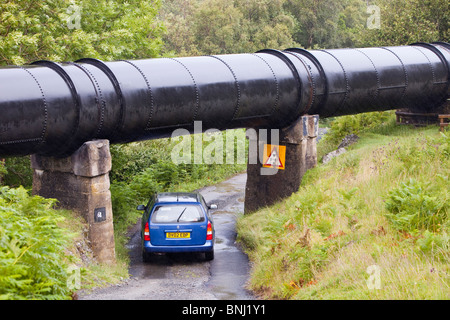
[[150, 94], [377, 75], [443, 45], [110, 75], [436, 50], [434, 47], [197, 95], [277, 99], [429, 63], [312, 95], [308, 55], [404, 70], [20, 141], [45, 122], [238, 88], [76, 99], [347, 88], [99, 96], [282, 56]]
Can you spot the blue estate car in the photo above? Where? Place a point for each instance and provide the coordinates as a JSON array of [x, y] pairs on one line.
[[177, 222]]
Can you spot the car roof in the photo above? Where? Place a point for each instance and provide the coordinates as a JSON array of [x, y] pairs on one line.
[[177, 197]]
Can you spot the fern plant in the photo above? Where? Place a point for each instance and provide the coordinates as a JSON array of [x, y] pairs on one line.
[[32, 246], [413, 206]]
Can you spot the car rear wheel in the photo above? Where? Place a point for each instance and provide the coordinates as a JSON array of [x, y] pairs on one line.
[[209, 255]]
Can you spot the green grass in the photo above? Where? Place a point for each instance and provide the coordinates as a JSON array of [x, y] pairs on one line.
[[384, 203]]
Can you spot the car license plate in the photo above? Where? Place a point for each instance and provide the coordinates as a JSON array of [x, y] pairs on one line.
[[174, 235]]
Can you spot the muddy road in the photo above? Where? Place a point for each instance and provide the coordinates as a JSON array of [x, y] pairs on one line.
[[188, 276]]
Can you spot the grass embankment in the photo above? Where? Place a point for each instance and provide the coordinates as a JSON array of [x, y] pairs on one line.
[[371, 224]]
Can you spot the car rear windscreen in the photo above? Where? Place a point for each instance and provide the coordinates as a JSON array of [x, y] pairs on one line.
[[177, 214]]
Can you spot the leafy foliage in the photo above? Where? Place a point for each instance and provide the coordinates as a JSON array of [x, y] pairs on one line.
[[221, 26], [414, 205], [198, 27], [326, 24], [32, 246], [405, 22], [354, 124], [435, 244], [421, 204], [31, 30], [17, 172], [3, 171]]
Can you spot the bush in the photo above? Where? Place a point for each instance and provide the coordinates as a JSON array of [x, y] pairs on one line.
[[3, 171], [436, 244], [416, 206], [16, 172], [355, 124], [32, 246]]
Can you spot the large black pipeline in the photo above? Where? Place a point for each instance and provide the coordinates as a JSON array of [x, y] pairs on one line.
[[53, 108]]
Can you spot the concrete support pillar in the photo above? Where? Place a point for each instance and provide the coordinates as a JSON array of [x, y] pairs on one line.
[[81, 184], [265, 187]]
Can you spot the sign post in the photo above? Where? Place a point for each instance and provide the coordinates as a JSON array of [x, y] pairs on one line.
[[274, 156]]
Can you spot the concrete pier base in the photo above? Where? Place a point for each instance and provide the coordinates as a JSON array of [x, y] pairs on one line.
[[81, 184], [265, 187]]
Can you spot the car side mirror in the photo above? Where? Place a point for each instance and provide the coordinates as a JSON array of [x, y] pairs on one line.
[[140, 207], [212, 206]]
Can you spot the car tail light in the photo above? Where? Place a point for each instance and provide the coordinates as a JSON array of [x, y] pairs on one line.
[[209, 231], [146, 232]]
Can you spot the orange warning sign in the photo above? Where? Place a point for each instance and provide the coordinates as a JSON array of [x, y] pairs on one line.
[[274, 156]]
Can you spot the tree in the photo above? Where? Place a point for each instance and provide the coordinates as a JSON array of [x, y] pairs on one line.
[[198, 27], [63, 30], [266, 25], [178, 17], [68, 30], [405, 22], [216, 27], [325, 23]]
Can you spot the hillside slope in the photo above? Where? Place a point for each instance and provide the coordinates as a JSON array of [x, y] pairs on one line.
[[372, 223]]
